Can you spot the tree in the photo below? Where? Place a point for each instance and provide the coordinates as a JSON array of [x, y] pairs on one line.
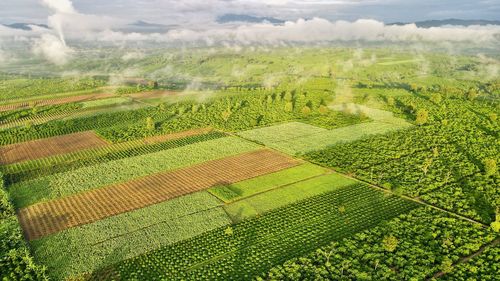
[[447, 265], [436, 98], [288, 96], [490, 167], [323, 109], [435, 152], [422, 117], [229, 231], [289, 106], [270, 99], [226, 114], [306, 110], [390, 243], [496, 224], [390, 101], [472, 94], [493, 117], [150, 124]]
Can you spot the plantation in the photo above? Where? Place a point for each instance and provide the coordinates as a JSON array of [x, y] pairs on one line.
[[371, 255], [102, 243], [279, 163], [255, 244]]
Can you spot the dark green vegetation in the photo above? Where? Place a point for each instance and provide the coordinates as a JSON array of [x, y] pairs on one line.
[[441, 162], [254, 245], [16, 262], [412, 246], [418, 129]]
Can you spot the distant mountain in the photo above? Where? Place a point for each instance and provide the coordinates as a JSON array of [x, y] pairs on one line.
[[227, 18], [146, 27], [438, 23], [144, 24], [24, 26]]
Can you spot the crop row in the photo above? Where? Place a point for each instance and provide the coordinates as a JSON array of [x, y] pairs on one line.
[[122, 170], [243, 189], [442, 161], [30, 170], [86, 248], [416, 246], [273, 199], [304, 139], [253, 246]]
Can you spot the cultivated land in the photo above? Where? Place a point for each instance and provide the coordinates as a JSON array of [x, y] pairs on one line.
[[48, 147], [279, 164]]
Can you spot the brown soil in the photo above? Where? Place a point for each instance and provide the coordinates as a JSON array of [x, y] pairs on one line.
[[50, 217], [50, 146]]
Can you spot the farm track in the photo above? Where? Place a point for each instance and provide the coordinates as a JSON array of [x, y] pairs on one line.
[[467, 258], [47, 218], [50, 146]]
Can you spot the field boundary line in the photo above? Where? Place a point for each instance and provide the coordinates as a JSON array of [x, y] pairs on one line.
[[328, 172], [417, 200]]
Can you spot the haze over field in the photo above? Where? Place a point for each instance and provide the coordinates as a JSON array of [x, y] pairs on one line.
[[54, 29]]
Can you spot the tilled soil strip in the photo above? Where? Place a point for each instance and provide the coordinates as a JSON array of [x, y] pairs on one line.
[[50, 146], [50, 217]]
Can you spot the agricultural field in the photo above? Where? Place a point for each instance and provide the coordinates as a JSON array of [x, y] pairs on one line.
[[279, 163]]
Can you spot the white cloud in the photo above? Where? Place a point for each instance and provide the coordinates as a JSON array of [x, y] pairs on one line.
[[321, 30], [60, 6], [52, 49]]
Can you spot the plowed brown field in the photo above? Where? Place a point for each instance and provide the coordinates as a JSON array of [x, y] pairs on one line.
[[46, 218], [50, 146]]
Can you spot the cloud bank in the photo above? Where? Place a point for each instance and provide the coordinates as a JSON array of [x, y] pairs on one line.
[[68, 25]]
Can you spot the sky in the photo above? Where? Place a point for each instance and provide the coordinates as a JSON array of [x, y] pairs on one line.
[[193, 22], [192, 12]]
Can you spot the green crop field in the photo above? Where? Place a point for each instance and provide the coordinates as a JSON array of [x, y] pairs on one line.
[[85, 178], [207, 144]]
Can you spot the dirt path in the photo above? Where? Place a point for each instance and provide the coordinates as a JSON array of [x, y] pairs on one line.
[[469, 257]]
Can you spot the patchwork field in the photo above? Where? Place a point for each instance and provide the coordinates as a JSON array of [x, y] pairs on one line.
[[46, 218], [278, 164], [254, 245]]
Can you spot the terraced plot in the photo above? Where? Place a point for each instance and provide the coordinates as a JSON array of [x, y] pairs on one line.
[[51, 217], [253, 246], [51, 146]]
